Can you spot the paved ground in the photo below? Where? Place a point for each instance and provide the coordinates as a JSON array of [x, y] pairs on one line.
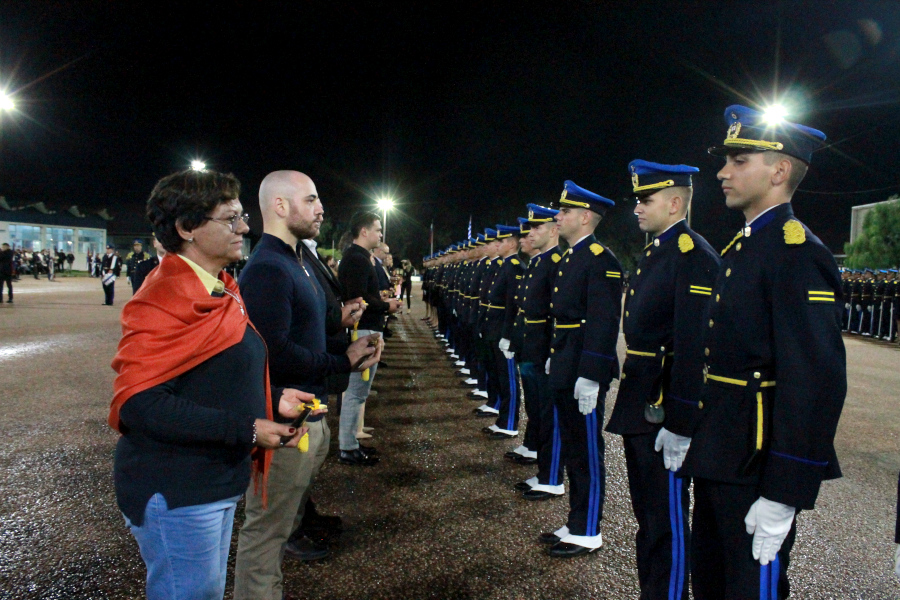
[[436, 519]]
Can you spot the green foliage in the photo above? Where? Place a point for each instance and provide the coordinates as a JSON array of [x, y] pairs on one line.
[[878, 245]]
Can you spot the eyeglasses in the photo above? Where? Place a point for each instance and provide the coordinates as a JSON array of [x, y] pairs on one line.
[[231, 221]]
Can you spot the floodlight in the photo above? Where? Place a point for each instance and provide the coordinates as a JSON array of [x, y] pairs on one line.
[[775, 114], [198, 165]]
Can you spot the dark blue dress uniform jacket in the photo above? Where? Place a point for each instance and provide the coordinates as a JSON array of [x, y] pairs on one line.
[[501, 309], [775, 364], [663, 314], [535, 303], [586, 307], [517, 336], [492, 267]]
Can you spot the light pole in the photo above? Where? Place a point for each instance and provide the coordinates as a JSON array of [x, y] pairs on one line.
[[6, 102], [385, 204], [198, 165]]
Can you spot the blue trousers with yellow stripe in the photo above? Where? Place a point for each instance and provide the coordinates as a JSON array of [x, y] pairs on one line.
[[584, 458], [721, 549], [661, 504]]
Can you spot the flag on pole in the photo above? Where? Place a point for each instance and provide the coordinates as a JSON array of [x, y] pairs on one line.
[[431, 236], [470, 227]]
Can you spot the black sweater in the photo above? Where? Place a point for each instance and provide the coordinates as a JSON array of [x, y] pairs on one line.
[[357, 274], [190, 437]]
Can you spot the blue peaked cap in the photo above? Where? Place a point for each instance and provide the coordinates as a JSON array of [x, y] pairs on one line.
[[574, 195], [505, 231], [490, 234], [540, 214], [524, 225], [480, 239], [750, 131], [649, 177]]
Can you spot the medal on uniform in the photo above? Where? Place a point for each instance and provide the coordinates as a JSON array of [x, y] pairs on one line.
[[654, 413]]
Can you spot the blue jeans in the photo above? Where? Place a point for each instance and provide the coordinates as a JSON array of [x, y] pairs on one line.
[[354, 397], [185, 549]]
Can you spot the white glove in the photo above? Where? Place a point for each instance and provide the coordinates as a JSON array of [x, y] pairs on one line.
[[769, 522], [504, 344], [586, 392], [897, 561], [847, 306], [674, 448], [870, 308], [858, 307], [547, 367]]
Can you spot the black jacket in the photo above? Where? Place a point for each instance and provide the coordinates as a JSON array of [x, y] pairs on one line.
[[776, 369], [535, 303], [359, 279], [663, 329], [6, 262]]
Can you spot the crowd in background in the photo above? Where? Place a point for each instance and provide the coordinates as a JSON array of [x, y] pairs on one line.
[[871, 302]]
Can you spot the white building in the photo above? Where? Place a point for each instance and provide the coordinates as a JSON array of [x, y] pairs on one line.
[[35, 227]]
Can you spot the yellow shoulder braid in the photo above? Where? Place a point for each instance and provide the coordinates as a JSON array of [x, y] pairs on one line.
[[794, 233], [685, 243], [555, 257], [515, 261], [596, 248]]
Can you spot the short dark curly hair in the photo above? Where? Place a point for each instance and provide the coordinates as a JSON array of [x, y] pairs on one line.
[[187, 198]]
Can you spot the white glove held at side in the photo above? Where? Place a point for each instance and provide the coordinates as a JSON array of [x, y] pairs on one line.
[[504, 348], [674, 448], [769, 522], [547, 367], [586, 392]]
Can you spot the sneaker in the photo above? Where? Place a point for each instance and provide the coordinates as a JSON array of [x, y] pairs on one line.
[[304, 549]]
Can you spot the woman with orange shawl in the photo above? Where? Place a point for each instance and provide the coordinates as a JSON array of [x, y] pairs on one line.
[[192, 398]]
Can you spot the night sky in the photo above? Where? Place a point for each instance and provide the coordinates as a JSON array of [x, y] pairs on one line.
[[455, 109]]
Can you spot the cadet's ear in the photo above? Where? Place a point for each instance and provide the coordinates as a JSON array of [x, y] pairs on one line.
[[781, 171]]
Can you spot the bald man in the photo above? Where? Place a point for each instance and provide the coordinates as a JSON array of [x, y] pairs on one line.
[[287, 305]]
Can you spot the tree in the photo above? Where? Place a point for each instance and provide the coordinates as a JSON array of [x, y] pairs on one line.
[[878, 245]]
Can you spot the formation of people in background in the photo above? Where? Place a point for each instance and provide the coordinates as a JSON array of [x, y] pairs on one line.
[[721, 396], [871, 303]]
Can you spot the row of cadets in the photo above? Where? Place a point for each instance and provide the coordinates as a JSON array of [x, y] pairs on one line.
[[657, 402], [764, 440], [490, 251], [526, 452], [542, 443], [870, 302], [475, 362], [586, 307], [496, 329]]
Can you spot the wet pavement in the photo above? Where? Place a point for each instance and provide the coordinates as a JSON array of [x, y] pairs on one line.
[[437, 518]]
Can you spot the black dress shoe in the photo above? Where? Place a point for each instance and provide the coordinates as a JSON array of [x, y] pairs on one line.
[[499, 435], [305, 549], [484, 413], [548, 538], [388, 333], [524, 460], [511, 455], [356, 458], [539, 495], [487, 430], [383, 365], [523, 487], [566, 550], [368, 450], [474, 396]]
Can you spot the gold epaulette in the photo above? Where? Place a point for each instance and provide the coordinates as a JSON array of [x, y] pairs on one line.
[[685, 243], [596, 249], [794, 234]]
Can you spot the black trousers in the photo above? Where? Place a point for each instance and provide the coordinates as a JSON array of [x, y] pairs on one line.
[[6, 279], [406, 288], [506, 385], [661, 503], [110, 292], [584, 458], [721, 552]]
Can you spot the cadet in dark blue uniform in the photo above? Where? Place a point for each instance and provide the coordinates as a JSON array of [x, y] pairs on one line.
[[497, 329], [662, 378], [765, 438], [540, 280], [585, 306], [493, 379]]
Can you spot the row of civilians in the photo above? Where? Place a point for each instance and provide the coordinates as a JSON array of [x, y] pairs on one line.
[[213, 373]]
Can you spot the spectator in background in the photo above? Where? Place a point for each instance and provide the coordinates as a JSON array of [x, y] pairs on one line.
[[329, 262], [6, 271], [70, 258], [359, 279], [195, 418], [406, 283], [133, 259]]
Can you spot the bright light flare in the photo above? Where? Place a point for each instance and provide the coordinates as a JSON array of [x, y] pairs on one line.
[[198, 165], [775, 114], [6, 103], [385, 204]]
